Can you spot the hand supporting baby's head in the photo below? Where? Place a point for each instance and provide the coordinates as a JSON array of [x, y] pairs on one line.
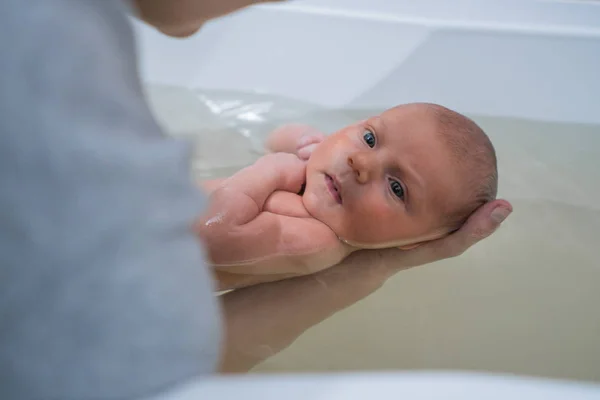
[[410, 175], [474, 159]]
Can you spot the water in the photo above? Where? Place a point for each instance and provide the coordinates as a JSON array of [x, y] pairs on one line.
[[523, 301]]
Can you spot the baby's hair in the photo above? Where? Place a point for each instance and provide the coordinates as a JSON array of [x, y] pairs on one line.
[[474, 153]]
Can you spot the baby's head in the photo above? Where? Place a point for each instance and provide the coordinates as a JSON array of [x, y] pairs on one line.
[[412, 174]]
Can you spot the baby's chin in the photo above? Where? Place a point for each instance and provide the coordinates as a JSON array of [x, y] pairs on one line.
[[321, 210], [314, 205]]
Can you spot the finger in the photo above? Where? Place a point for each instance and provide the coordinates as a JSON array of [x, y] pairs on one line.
[[285, 138], [305, 152], [310, 138], [481, 224]]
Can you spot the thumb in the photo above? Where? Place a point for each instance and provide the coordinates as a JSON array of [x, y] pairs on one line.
[[481, 224]]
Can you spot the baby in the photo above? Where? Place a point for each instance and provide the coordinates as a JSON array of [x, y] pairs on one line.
[[410, 175]]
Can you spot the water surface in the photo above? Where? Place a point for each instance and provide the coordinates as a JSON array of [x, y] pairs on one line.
[[524, 301]]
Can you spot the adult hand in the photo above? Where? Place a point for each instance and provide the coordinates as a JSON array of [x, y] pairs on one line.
[[481, 224]]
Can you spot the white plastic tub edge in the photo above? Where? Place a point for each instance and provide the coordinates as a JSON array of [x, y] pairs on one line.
[[367, 386]]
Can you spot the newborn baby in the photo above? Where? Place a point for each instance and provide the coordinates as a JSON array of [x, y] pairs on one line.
[[410, 175]]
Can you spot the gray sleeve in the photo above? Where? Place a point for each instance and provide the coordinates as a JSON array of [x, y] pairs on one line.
[[104, 293]]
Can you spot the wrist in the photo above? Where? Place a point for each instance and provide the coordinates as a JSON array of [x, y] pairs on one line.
[[361, 273]]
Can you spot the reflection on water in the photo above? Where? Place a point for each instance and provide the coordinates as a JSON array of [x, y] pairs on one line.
[[523, 301]]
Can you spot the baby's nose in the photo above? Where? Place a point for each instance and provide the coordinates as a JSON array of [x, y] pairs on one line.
[[361, 166]]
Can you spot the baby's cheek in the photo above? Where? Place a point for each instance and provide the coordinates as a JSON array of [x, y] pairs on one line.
[[376, 224]]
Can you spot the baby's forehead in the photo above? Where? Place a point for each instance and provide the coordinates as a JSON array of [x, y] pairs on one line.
[[415, 122], [409, 111]]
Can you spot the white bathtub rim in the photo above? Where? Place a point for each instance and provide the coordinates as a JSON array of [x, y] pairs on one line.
[[466, 25]]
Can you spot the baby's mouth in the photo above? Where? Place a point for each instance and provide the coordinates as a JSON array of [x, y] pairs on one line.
[[334, 188]]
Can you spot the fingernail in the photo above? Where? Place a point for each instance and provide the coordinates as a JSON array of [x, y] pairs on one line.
[[499, 214]]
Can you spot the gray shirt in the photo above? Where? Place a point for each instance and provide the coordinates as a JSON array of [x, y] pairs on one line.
[[104, 293]]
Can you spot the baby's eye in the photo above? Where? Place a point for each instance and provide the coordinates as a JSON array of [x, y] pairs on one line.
[[397, 189], [369, 139]]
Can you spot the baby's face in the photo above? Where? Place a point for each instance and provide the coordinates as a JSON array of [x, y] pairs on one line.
[[383, 182]]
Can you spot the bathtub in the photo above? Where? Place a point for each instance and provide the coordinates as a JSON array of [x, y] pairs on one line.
[[523, 302]]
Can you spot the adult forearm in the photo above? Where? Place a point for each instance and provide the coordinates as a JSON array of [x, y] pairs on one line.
[[264, 319]]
